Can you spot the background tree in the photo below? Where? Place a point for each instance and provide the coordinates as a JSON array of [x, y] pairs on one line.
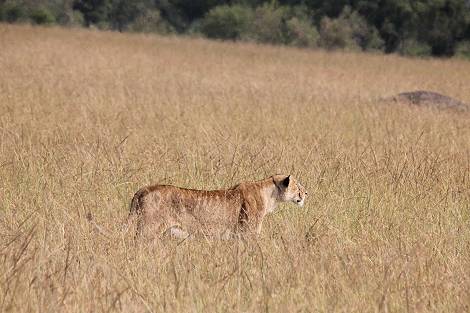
[[414, 27], [94, 11]]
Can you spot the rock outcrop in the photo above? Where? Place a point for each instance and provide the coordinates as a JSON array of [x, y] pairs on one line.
[[429, 99]]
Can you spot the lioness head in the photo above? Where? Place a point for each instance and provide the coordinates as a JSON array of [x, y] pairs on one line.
[[290, 189]]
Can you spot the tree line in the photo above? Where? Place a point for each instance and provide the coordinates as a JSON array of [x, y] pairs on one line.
[[409, 27]]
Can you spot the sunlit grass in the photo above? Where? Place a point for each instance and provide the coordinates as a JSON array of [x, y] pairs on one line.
[[87, 118]]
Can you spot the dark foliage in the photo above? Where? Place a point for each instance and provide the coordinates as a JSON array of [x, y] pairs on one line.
[[417, 27]]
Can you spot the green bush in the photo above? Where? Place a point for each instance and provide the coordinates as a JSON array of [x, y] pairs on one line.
[[463, 49], [42, 16], [65, 15], [349, 31], [335, 34], [282, 25], [412, 47], [267, 24], [301, 33], [12, 12], [364, 35], [227, 22], [150, 21], [76, 19]]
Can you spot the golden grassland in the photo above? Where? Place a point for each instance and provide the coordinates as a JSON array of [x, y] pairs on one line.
[[87, 118]]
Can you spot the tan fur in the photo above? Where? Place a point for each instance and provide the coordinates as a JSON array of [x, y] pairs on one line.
[[163, 209]]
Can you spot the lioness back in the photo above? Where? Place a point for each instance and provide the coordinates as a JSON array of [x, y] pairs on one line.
[[162, 207]]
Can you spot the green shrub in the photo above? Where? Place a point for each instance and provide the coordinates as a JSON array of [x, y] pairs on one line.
[[283, 25], [65, 15], [267, 24], [412, 47], [76, 19], [301, 33], [349, 31], [12, 12], [364, 35], [150, 21], [335, 34], [463, 49], [227, 22], [42, 16]]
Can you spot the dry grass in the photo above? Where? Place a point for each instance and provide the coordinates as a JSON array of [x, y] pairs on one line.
[[86, 118]]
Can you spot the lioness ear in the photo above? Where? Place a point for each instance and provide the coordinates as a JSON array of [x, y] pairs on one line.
[[285, 182]]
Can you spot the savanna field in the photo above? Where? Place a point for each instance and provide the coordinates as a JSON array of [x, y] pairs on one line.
[[88, 117]]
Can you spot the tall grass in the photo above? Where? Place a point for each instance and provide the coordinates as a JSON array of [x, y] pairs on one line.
[[86, 118]]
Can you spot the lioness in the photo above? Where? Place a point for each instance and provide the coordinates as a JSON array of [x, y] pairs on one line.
[[164, 209]]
